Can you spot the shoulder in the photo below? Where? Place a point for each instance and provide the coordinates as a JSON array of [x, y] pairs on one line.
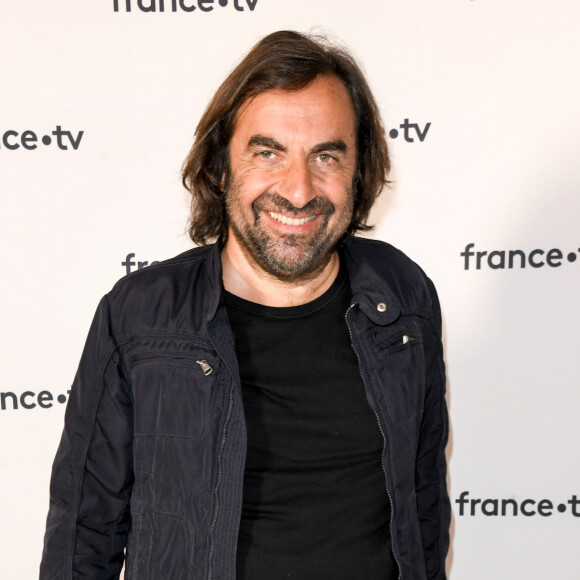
[[177, 294], [389, 266], [387, 261], [172, 271]]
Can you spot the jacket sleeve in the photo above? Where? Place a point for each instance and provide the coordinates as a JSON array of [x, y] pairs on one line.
[[92, 475], [431, 467]]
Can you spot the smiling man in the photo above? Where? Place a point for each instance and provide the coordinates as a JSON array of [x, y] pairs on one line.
[[271, 404], [292, 162]]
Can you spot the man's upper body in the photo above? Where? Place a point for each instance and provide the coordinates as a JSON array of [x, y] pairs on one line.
[[154, 448], [189, 440]]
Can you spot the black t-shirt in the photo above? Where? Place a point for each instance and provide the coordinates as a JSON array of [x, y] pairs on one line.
[[315, 505]]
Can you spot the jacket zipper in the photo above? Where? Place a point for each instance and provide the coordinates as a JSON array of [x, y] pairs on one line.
[[385, 443], [400, 340], [188, 361], [218, 481], [205, 367]]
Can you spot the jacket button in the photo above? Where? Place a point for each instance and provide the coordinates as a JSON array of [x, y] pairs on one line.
[[381, 307]]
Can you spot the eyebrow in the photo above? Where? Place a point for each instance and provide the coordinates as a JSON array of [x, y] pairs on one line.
[[263, 141], [336, 145]]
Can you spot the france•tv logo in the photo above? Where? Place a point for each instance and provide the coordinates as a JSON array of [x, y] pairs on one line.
[[181, 5], [12, 140], [515, 259]]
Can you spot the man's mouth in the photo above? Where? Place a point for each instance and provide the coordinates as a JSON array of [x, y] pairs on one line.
[[289, 220]]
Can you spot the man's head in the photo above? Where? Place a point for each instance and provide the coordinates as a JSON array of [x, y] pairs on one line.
[[292, 163], [282, 62]]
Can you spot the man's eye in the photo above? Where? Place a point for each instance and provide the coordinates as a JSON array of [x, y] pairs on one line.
[[266, 154], [326, 158]]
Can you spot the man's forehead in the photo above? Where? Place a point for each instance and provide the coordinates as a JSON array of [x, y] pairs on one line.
[[324, 101]]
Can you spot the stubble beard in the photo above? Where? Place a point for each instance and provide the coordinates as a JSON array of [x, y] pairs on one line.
[[286, 256]]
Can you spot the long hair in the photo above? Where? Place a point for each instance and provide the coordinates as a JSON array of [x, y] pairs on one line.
[[289, 61]]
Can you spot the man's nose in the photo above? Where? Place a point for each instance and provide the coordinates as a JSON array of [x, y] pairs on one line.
[[296, 184]]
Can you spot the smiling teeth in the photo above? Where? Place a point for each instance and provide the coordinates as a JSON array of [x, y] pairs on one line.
[[290, 221]]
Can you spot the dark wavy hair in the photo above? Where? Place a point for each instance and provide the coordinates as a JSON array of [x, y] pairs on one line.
[[289, 61]]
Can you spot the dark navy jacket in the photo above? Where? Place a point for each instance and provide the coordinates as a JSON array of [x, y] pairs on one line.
[[152, 455]]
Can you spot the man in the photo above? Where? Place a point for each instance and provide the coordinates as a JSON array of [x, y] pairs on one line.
[[271, 405]]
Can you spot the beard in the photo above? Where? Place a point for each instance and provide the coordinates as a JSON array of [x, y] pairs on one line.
[[289, 257]]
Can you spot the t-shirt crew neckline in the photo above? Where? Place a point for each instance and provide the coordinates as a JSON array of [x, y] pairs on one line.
[[234, 301]]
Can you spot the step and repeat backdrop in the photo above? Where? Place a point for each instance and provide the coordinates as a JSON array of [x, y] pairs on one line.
[[481, 103]]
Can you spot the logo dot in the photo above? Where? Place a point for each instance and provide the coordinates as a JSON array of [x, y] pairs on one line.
[[393, 133], [46, 140], [571, 257], [61, 399], [562, 508], [223, 3]]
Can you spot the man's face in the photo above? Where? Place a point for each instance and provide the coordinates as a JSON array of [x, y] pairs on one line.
[[292, 162]]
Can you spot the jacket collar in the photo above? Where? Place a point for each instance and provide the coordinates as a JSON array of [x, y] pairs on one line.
[[214, 278], [373, 295], [369, 290]]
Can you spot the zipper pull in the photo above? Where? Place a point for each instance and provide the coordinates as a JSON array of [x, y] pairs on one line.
[[406, 339], [205, 367]]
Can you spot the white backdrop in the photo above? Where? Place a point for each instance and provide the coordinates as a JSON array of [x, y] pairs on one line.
[[492, 87]]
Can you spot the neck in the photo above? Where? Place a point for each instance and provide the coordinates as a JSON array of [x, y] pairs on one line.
[[244, 278]]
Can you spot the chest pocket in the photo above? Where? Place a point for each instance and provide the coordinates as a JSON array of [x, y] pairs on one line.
[[175, 386], [400, 366]]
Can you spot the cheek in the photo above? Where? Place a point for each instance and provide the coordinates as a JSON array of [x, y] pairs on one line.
[[253, 183], [341, 195]]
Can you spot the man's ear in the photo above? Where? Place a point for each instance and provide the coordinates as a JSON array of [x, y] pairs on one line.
[[225, 178]]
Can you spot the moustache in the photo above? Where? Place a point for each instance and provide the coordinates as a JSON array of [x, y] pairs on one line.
[[271, 201]]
